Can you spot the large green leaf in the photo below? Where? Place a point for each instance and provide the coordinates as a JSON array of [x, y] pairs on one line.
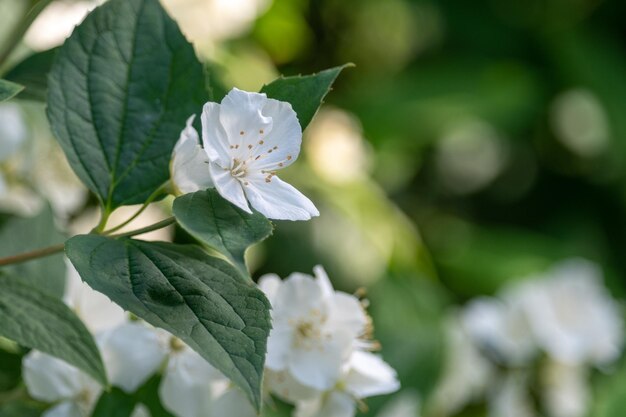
[[18, 235], [180, 288], [120, 91], [39, 321], [216, 222], [8, 90], [305, 93], [32, 73]]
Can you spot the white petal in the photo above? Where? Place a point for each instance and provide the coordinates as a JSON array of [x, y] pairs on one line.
[[232, 402], [297, 297], [214, 138], [323, 281], [269, 284], [335, 404], [278, 200], [188, 384], [240, 111], [279, 346], [131, 353], [320, 366], [346, 314], [286, 387], [228, 186], [141, 411], [50, 379], [94, 308], [281, 146], [370, 375], [65, 409], [189, 166]]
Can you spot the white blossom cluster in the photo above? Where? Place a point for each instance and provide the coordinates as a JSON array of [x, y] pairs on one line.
[[554, 327], [317, 357], [318, 353]]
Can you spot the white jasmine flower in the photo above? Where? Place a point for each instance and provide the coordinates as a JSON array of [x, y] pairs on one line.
[[52, 380], [189, 162], [247, 138], [466, 373], [565, 390], [97, 312], [191, 387], [511, 398], [572, 316], [500, 328], [132, 353], [314, 328], [365, 375]]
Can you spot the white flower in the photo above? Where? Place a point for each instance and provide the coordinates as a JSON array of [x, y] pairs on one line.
[[189, 162], [132, 353], [466, 373], [247, 138], [511, 398], [365, 375], [565, 390], [500, 328], [314, 327], [52, 380], [572, 316], [97, 312], [191, 387]]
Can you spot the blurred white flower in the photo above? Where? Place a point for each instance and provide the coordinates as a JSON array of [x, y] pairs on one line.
[[336, 148], [364, 376], [565, 390], [191, 387], [141, 411], [500, 328], [580, 122], [52, 380], [470, 156], [189, 162], [572, 316], [57, 22], [247, 138], [132, 353], [95, 309], [404, 404], [206, 22], [466, 373], [13, 132], [314, 327], [510, 397]]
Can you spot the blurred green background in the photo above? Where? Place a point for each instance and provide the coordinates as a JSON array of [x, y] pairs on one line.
[[473, 143]]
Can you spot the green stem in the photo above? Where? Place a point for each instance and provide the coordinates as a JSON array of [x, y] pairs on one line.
[[20, 29], [144, 206], [51, 250], [156, 226], [27, 256]]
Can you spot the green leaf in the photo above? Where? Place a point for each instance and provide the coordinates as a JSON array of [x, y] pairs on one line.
[[115, 403], [226, 228], [180, 288], [120, 91], [32, 73], [148, 395], [36, 320], [305, 93], [18, 235], [8, 90]]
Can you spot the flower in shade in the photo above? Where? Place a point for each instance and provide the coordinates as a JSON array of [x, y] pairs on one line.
[[364, 376], [52, 380], [314, 327], [246, 138]]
